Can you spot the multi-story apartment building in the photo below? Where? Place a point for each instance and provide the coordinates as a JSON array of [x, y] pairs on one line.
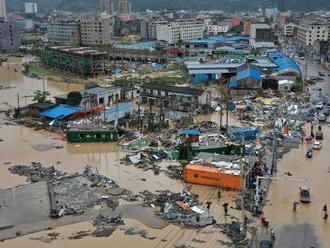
[[106, 6], [261, 32], [64, 33], [148, 29], [289, 29], [31, 8], [217, 29], [3, 11], [95, 31], [174, 32], [10, 39], [124, 6], [308, 33]]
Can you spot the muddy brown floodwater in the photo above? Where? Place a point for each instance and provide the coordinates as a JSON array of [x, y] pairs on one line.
[[23, 145], [283, 193]]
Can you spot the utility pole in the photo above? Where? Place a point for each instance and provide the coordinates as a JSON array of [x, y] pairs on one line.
[[18, 103], [257, 196], [228, 98]]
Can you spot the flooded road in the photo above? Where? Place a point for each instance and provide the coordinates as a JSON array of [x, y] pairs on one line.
[[283, 193], [306, 228]]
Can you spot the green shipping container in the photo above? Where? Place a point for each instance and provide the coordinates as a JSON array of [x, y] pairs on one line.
[[94, 135]]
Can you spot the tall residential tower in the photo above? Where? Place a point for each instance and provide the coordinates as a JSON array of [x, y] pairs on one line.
[[3, 12]]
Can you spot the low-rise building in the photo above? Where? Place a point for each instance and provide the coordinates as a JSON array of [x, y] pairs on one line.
[[101, 95], [10, 39], [182, 99], [174, 32], [308, 33]]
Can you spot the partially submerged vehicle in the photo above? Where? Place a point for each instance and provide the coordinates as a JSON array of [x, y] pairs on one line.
[[317, 145], [309, 153], [305, 196]]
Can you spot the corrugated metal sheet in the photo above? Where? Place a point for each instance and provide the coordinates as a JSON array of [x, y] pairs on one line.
[[118, 108], [61, 111], [137, 46], [283, 62], [248, 72]]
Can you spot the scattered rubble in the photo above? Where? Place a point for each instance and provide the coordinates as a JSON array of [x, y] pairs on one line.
[[98, 233], [137, 231], [36, 173], [50, 237], [182, 207]]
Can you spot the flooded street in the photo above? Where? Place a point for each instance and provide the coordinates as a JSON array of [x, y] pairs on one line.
[[23, 145], [306, 228], [283, 193]]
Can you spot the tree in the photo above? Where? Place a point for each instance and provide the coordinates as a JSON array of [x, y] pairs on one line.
[[40, 96], [74, 98], [298, 84]]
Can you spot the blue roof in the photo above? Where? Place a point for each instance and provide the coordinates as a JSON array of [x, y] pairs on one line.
[[118, 108], [202, 41], [137, 46], [233, 84], [225, 38], [248, 72], [220, 38], [283, 62], [62, 111], [190, 132]]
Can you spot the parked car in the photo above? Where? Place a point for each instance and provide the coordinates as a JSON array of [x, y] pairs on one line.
[[305, 195], [322, 117], [319, 105], [317, 145], [321, 74]]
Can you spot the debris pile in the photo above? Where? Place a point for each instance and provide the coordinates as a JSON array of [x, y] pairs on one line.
[[101, 220], [36, 172], [180, 208], [73, 194], [234, 230]]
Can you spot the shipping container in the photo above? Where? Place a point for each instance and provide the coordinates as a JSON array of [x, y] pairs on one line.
[[211, 176], [93, 135]]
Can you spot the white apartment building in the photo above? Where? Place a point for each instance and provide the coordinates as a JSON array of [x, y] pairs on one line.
[[31, 8], [173, 32], [217, 29], [288, 29], [95, 31], [3, 12], [307, 34]]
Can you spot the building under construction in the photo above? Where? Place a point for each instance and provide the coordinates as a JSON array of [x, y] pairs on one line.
[[84, 61]]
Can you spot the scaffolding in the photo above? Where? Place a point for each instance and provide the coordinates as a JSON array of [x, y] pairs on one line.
[[84, 61]]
